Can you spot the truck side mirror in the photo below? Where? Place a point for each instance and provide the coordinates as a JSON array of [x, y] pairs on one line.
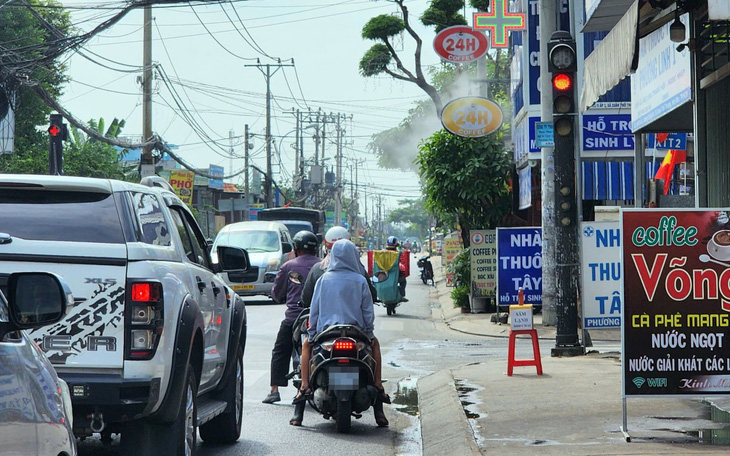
[[233, 258], [35, 299]]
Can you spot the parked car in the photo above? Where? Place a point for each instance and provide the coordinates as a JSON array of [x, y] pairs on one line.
[[153, 347], [269, 245], [35, 405]]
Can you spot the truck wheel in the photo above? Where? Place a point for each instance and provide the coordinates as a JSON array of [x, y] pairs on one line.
[[226, 427], [147, 438]]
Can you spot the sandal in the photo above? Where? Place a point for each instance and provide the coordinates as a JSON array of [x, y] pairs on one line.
[[380, 418], [298, 417], [304, 394], [383, 396]]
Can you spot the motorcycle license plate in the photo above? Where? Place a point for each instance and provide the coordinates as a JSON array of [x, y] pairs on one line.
[[344, 378]]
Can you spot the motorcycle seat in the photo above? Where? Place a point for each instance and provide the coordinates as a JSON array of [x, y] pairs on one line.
[[334, 331]]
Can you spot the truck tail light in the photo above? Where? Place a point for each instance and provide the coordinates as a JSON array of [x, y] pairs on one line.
[[144, 319]]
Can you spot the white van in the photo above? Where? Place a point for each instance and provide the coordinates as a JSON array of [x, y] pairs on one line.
[[269, 245]]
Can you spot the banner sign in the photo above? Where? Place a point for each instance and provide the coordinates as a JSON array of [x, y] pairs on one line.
[[544, 134], [483, 262], [182, 183], [525, 178], [253, 210], [607, 132], [677, 302], [675, 141], [216, 179], [519, 265], [601, 274], [662, 82], [452, 246]]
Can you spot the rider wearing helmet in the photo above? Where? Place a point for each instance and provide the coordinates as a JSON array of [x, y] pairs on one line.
[[288, 286], [333, 235], [392, 244]]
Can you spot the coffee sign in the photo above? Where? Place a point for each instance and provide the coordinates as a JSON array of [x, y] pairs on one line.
[[471, 117], [460, 44], [677, 302]]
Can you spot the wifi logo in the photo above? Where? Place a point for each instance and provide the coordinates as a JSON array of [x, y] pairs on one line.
[[639, 381]]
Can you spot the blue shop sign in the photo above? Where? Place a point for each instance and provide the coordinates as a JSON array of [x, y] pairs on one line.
[[519, 265], [675, 141], [607, 132]]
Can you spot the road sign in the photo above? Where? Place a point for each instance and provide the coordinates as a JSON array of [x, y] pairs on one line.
[[544, 134], [471, 117], [499, 21], [460, 44]]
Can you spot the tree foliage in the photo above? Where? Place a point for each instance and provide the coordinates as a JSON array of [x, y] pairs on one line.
[[467, 177], [443, 14], [27, 39], [412, 213]]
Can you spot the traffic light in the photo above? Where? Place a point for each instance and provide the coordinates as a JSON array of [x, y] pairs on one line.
[[563, 66], [57, 134]]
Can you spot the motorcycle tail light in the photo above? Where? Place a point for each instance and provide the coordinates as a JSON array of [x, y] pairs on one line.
[[345, 348]]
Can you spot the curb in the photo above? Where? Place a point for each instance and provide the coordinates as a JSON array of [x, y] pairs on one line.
[[444, 427]]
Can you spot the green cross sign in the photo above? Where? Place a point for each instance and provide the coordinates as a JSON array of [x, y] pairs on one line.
[[499, 21]]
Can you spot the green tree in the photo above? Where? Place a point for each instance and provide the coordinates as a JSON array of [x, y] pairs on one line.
[[25, 45], [467, 177], [89, 157], [412, 213]]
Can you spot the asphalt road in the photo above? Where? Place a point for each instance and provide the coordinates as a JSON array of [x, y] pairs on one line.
[[413, 345]]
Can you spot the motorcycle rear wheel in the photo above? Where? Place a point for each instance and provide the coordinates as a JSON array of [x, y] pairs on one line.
[[344, 417]]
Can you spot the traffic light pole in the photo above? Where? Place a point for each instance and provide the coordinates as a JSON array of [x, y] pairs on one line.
[[562, 64]]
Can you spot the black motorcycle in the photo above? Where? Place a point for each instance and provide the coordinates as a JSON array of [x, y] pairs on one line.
[[342, 375], [424, 264]]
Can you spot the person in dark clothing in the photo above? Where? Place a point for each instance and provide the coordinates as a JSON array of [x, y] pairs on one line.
[[289, 291]]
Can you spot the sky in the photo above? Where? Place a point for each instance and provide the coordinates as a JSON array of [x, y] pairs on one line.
[[204, 49]]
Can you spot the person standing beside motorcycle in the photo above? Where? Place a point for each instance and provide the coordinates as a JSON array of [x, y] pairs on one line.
[[392, 244], [341, 296], [288, 286]]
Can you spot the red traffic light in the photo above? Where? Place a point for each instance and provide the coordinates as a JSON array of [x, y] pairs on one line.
[[54, 130], [562, 82]]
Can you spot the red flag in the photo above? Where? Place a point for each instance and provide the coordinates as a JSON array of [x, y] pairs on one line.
[[661, 137], [666, 169]]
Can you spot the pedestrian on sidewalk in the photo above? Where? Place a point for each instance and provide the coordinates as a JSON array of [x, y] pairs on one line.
[[288, 291]]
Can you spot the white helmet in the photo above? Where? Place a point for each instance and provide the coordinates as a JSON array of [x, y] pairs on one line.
[[334, 234]]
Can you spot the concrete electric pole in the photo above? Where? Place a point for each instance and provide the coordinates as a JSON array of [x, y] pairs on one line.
[[146, 164]]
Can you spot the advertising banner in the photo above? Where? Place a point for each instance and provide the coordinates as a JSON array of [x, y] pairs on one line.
[[519, 265], [662, 82], [452, 246], [601, 274], [483, 262], [253, 210], [182, 183], [525, 178], [677, 302], [217, 172]]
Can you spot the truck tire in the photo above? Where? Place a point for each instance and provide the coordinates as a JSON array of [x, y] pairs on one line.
[[226, 427], [148, 438]]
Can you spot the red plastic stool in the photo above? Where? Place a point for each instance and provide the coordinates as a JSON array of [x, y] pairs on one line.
[[512, 362]]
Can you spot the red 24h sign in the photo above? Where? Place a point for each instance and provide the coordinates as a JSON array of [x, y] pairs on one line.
[[460, 44]]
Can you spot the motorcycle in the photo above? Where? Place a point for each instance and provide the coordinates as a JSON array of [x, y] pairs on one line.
[[342, 375], [299, 333], [424, 264]]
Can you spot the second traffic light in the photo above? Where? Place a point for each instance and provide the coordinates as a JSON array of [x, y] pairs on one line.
[[57, 134]]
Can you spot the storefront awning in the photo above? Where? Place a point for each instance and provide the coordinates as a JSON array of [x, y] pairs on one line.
[[604, 14], [607, 180], [612, 60]]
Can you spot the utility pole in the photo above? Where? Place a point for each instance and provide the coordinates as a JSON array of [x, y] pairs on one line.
[[230, 143], [338, 176], [548, 24], [146, 164], [266, 70], [245, 171]]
